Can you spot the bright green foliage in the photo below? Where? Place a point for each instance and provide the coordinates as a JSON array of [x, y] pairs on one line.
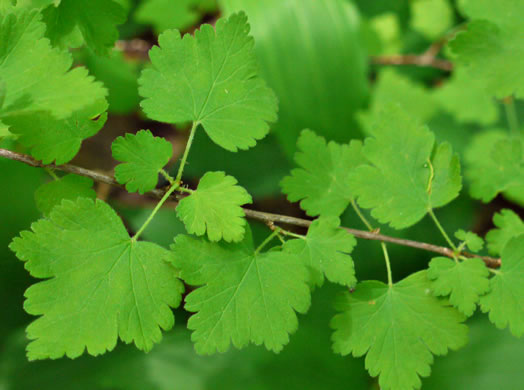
[[210, 79], [432, 18], [144, 156], [243, 296], [505, 302], [62, 138], [321, 182], [495, 163], [398, 328], [46, 85], [508, 225], [166, 14], [73, 22], [215, 207], [69, 187], [402, 183], [466, 99], [325, 250], [416, 100], [492, 48], [464, 281], [472, 240], [100, 284]]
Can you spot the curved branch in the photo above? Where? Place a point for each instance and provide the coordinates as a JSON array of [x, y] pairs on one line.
[[252, 214]]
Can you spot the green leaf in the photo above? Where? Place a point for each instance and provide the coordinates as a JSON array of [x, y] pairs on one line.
[[432, 18], [509, 225], [242, 296], [325, 250], [472, 241], [100, 284], [210, 79], [166, 14], [495, 163], [401, 183], [466, 99], [492, 49], [215, 207], [505, 302], [46, 84], [399, 328], [144, 156], [321, 182], [73, 22], [62, 138], [415, 100], [464, 281], [69, 187]]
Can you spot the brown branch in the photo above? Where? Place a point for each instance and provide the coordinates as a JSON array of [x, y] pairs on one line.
[[252, 214], [424, 60]]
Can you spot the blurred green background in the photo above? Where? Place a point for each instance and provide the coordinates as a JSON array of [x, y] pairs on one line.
[[315, 54]]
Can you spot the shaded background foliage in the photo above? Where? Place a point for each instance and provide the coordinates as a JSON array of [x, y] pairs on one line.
[[315, 55]]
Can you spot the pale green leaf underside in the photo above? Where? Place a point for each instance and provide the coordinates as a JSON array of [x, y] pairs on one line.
[[321, 183], [100, 285], [144, 156], [495, 163], [505, 302], [398, 328], [211, 79], [242, 297], [508, 225], [398, 185], [69, 187], [325, 250], [215, 207], [464, 282]]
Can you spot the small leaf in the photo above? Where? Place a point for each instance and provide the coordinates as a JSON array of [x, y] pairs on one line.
[[464, 282], [398, 328], [326, 250], [144, 156], [508, 225], [472, 241], [210, 79], [321, 182], [242, 296], [215, 207], [100, 284], [505, 302], [401, 184], [69, 187]]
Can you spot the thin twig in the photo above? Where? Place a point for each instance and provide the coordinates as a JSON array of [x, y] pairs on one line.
[[267, 218], [414, 59]]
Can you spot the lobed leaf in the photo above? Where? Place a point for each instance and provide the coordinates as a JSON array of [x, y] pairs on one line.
[[508, 225], [210, 79], [100, 284], [215, 207], [399, 328], [470, 239], [321, 182], [464, 281], [144, 156], [404, 179], [505, 301], [242, 296], [325, 250]]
